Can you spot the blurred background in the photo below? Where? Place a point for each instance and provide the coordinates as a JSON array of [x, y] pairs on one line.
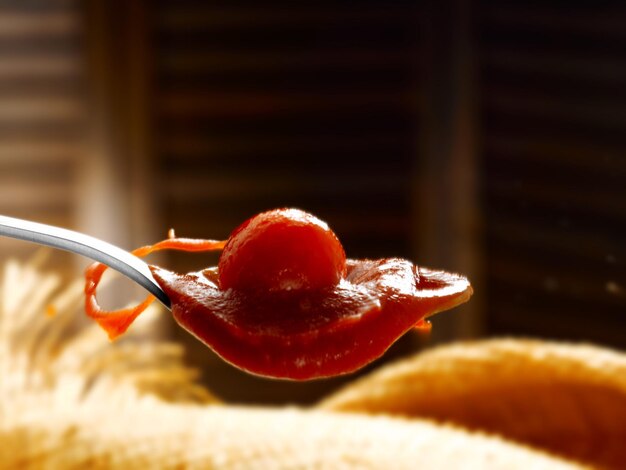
[[482, 137]]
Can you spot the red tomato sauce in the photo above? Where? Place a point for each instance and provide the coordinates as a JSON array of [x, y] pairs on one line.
[[285, 302]]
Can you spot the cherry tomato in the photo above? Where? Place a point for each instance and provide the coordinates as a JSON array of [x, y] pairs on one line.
[[283, 249]]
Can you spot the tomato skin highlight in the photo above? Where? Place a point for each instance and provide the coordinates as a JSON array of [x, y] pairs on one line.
[[283, 249]]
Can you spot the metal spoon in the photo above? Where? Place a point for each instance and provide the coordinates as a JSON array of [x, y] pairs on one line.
[[98, 250]]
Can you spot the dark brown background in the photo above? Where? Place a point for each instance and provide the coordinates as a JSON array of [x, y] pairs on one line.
[[483, 137]]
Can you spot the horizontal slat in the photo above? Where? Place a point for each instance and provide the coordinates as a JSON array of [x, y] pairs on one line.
[[41, 45], [332, 81], [548, 298], [608, 113], [553, 322], [15, 67], [34, 152], [42, 86], [564, 67], [293, 37], [567, 151], [595, 248], [525, 173], [196, 61], [190, 185], [539, 266], [385, 151], [199, 104], [31, 176], [16, 24], [38, 6], [310, 124], [573, 284], [603, 202], [528, 177], [50, 108], [42, 130], [175, 17], [556, 90], [603, 22], [563, 217], [31, 196], [51, 171]]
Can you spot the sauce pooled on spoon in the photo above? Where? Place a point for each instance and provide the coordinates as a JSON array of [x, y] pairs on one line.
[[285, 302]]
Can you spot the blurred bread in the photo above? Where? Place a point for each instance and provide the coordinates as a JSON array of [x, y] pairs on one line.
[[224, 437], [568, 399]]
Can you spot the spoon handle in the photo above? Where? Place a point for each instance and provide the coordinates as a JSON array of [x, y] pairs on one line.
[[98, 250]]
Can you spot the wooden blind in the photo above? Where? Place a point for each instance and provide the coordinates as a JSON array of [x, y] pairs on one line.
[[41, 111], [287, 104], [554, 121]]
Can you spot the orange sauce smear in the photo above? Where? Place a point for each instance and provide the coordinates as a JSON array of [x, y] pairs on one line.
[[116, 322]]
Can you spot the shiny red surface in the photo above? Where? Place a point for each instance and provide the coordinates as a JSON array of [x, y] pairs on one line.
[[283, 249], [306, 334], [285, 302]]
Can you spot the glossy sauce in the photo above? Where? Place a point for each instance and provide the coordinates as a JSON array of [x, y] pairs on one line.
[[285, 302]]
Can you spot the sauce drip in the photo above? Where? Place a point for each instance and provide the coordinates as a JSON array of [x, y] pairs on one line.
[[116, 322]]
